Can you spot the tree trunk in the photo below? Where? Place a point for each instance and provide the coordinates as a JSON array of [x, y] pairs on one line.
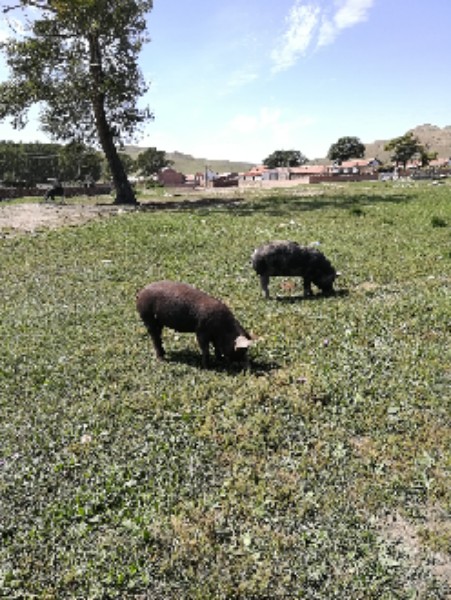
[[124, 191]]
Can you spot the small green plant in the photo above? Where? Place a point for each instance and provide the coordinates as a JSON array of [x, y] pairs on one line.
[[438, 222], [438, 540], [356, 211]]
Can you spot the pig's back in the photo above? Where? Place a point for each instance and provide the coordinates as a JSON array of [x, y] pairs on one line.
[[176, 305], [281, 257]]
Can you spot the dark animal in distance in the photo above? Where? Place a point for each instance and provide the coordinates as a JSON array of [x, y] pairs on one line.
[[184, 308], [56, 190], [285, 258]]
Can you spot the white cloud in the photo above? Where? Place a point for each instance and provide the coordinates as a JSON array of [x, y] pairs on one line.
[[352, 12], [310, 26], [348, 14], [327, 33], [302, 22]]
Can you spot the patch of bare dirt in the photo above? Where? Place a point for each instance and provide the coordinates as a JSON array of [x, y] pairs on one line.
[[28, 218], [400, 531], [31, 217]]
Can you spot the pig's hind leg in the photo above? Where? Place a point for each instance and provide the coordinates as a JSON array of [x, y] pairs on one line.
[[155, 329], [264, 283], [204, 342]]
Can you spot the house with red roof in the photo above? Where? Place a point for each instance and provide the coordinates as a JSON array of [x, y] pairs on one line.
[[355, 166]]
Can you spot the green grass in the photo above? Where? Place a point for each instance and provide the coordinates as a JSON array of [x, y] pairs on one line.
[[121, 477]]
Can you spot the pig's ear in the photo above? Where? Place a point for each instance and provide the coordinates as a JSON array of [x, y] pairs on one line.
[[242, 342]]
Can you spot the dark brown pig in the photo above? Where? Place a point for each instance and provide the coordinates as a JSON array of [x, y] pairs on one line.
[[285, 258], [184, 308]]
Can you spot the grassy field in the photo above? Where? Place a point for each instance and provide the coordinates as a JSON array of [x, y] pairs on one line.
[[323, 472]]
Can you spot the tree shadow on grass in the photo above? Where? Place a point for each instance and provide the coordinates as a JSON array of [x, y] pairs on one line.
[[194, 204], [277, 204], [288, 205]]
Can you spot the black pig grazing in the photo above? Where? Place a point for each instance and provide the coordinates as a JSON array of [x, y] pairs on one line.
[[284, 258], [186, 309]]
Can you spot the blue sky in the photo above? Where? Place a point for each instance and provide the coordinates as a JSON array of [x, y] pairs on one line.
[[238, 79]]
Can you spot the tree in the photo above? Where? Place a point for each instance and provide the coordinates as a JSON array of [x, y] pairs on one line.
[[285, 158], [13, 164], [35, 163], [404, 148], [79, 62], [128, 162], [151, 161], [77, 162], [28, 164], [346, 148], [427, 155]]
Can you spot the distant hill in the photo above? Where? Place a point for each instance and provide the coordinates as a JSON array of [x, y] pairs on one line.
[[436, 138], [185, 163]]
